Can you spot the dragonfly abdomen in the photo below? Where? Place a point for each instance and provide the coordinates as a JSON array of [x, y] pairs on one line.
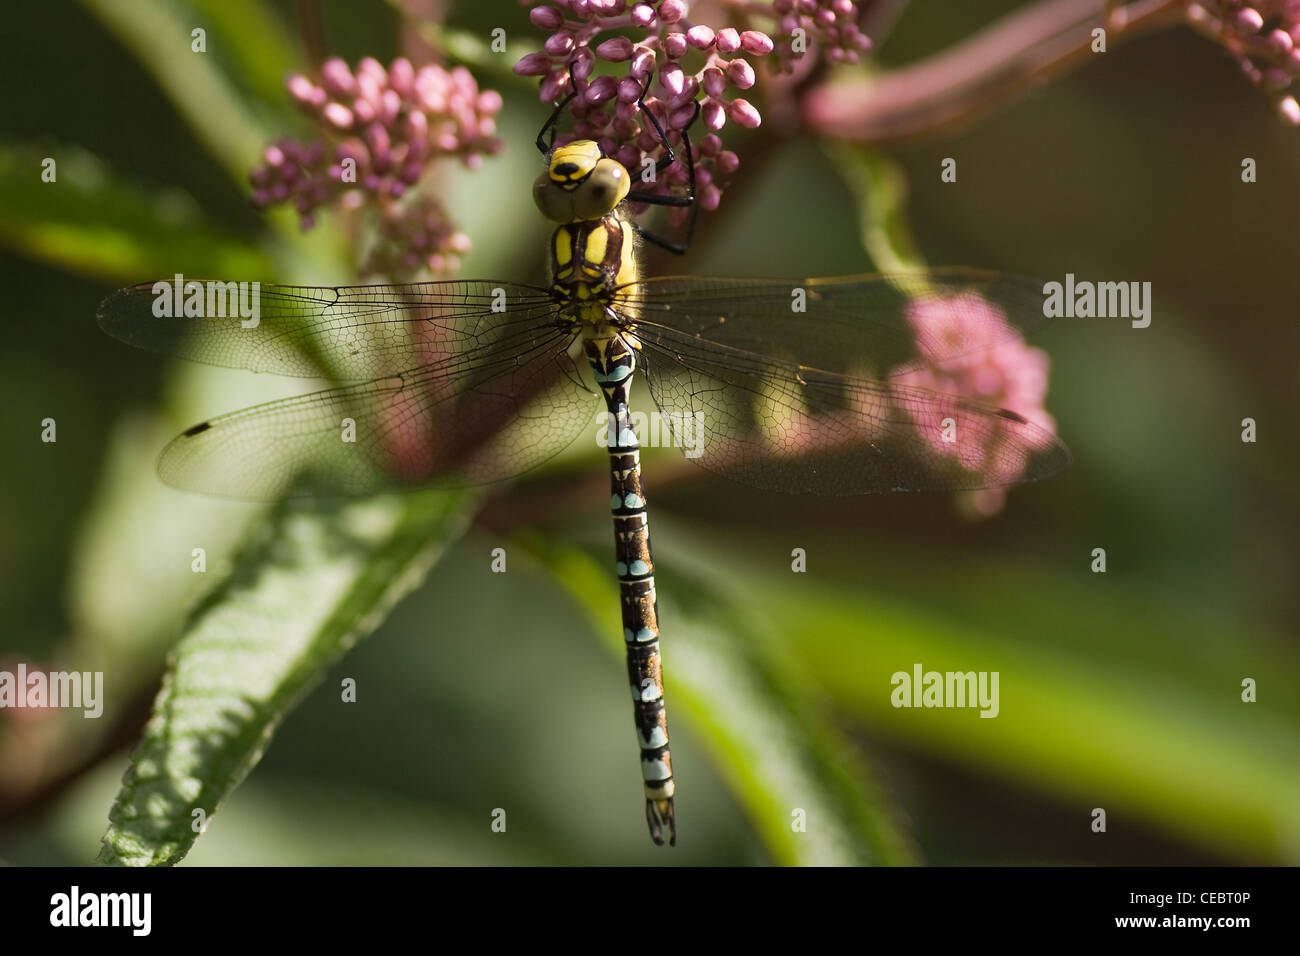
[[613, 361]]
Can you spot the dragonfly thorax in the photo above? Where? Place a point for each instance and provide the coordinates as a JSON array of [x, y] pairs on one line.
[[591, 261]]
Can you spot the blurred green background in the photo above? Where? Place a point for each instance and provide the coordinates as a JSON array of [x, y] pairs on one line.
[[1118, 690]]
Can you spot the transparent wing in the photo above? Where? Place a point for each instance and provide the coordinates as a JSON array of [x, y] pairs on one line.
[[886, 324], [475, 419], [460, 382], [833, 400], [349, 333]]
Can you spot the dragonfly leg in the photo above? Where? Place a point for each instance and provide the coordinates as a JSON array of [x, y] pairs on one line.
[[657, 199]]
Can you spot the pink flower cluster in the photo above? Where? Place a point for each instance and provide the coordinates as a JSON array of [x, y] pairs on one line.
[[380, 131], [831, 25], [720, 67], [1264, 38], [971, 351]]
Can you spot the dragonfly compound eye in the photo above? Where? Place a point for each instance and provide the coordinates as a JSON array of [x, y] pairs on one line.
[[590, 197]]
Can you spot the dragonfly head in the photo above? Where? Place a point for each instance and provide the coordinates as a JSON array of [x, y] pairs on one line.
[[580, 184]]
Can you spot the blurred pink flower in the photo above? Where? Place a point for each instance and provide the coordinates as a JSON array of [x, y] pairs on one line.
[[1264, 38], [971, 353], [380, 131]]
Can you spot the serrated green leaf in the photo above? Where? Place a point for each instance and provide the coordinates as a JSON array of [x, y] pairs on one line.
[[309, 587]]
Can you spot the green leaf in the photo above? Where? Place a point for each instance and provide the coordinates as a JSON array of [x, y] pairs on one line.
[[303, 593], [1125, 702], [257, 48], [93, 221], [723, 675], [157, 34]]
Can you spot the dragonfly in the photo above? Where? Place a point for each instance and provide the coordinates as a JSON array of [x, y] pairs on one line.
[[802, 386]]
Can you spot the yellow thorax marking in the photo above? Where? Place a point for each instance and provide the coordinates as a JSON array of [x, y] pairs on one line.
[[563, 248], [597, 246]]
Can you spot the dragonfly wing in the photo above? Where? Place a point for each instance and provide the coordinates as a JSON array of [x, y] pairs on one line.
[[485, 416], [884, 325], [349, 333], [781, 426]]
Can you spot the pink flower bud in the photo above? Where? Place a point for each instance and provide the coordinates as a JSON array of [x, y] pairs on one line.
[[675, 45], [741, 74], [672, 77], [744, 113], [534, 64], [643, 15], [552, 85], [727, 162], [643, 64], [756, 43], [615, 49], [715, 117], [629, 156], [629, 90], [670, 11], [559, 44], [545, 18], [301, 88], [1248, 20], [601, 89], [390, 104], [372, 68], [337, 78], [679, 117], [401, 76], [338, 115], [728, 40], [700, 37], [714, 81]]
